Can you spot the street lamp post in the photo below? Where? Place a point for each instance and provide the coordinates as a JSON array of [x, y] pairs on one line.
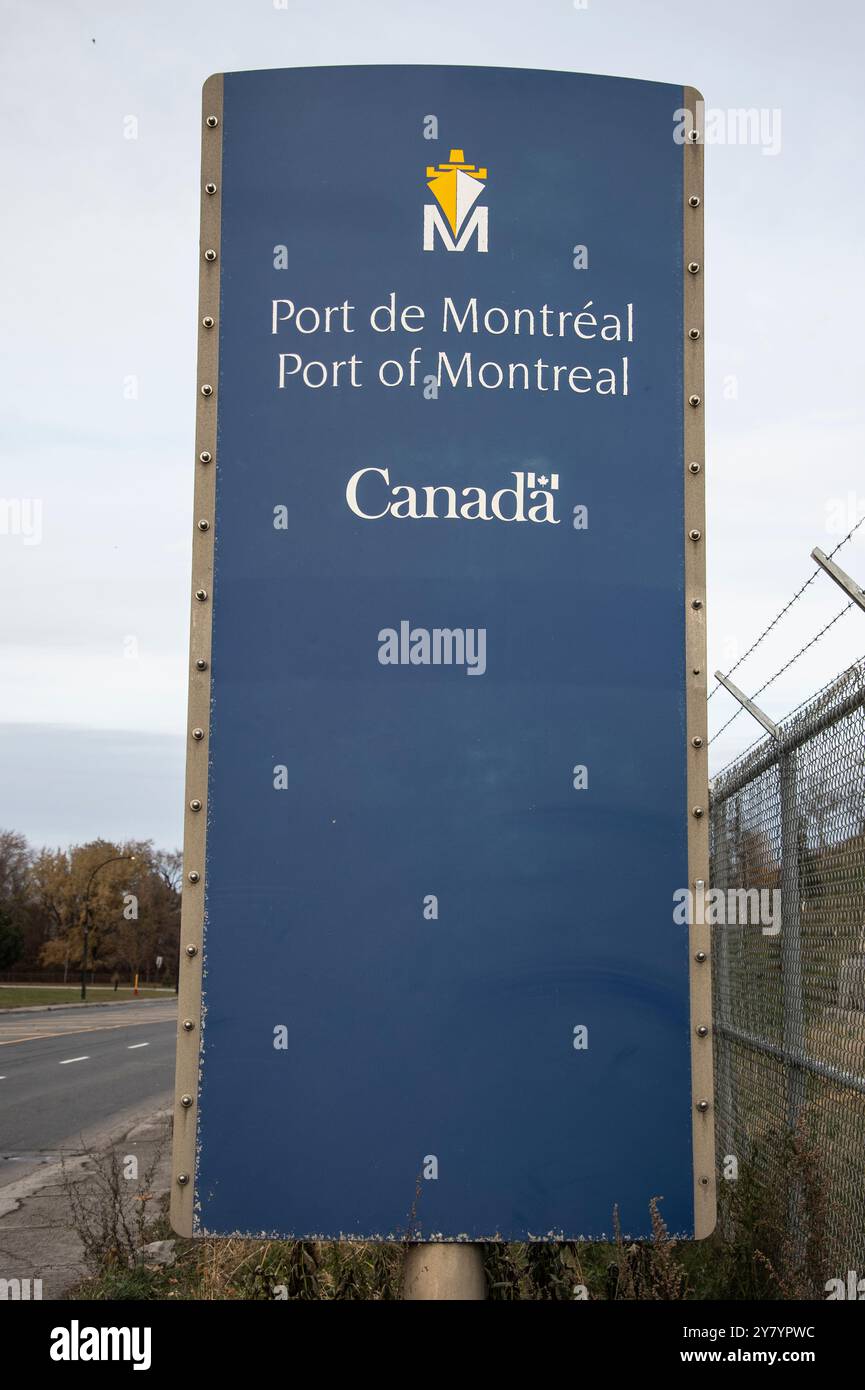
[[115, 858]]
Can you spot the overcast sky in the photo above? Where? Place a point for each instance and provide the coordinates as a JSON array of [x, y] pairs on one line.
[[99, 291]]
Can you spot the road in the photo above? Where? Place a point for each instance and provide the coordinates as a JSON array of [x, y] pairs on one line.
[[65, 1073]]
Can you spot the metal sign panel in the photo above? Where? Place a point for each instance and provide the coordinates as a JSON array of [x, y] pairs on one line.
[[447, 690]]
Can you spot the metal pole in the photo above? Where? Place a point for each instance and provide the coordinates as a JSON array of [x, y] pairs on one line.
[[768, 724], [115, 859], [791, 976], [724, 1115], [84, 950], [844, 580], [739, 971], [811, 1065], [791, 939], [444, 1271]]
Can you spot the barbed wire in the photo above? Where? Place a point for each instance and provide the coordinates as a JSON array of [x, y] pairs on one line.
[[785, 667], [809, 699], [787, 606], [738, 756]]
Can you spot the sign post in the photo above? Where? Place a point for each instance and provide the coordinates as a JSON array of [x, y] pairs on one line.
[[447, 763]]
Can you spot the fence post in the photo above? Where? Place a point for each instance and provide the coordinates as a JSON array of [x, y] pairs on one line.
[[725, 1127], [791, 939], [793, 1017]]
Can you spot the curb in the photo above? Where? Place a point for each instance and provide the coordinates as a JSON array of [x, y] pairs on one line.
[[100, 1004]]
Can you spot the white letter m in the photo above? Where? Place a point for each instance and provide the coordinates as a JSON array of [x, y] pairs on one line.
[[476, 224]]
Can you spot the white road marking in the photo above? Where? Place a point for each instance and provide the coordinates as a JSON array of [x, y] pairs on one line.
[[67, 1060], [132, 1046]]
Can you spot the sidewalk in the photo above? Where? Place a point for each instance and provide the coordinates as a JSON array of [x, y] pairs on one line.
[[38, 1239]]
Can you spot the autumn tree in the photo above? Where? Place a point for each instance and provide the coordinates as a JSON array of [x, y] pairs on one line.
[[18, 922], [150, 924], [120, 887]]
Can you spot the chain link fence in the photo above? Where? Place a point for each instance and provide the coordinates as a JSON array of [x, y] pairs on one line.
[[788, 937]]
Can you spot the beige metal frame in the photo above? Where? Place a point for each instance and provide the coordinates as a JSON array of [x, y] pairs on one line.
[[192, 923], [697, 810], [198, 720]]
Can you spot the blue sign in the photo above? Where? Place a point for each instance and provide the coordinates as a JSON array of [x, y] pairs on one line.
[[443, 764]]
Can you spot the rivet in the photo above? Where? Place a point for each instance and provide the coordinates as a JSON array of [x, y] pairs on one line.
[[188, 1025], [693, 267], [694, 201], [207, 390], [210, 188], [704, 1182], [201, 664], [194, 877], [696, 671], [693, 334], [696, 603], [693, 535], [204, 524], [198, 735], [205, 456], [201, 595], [213, 122], [195, 804], [702, 1031], [192, 951], [182, 1179], [702, 1106], [698, 811], [692, 400], [700, 957], [210, 254], [207, 321], [696, 741], [693, 136], [186, 1101], [693, 467]]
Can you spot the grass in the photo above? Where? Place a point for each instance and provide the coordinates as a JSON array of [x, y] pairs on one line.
[[19, 996], [228, 1270], [752, 1256], [263, 1271]]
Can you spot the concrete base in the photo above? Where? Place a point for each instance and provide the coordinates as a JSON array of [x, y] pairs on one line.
[[444, 1272]]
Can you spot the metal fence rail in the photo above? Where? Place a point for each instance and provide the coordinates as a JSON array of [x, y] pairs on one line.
[[788, 823]]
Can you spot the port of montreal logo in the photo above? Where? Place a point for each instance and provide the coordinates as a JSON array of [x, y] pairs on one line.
[[455, 215]]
